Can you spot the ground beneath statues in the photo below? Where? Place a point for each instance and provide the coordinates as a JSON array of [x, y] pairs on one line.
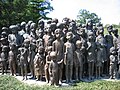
[[34, 82], [40, 83]]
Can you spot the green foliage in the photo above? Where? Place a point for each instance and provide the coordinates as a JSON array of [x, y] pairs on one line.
[[16, 11], [11, 83], [84, 15], [40, 8]]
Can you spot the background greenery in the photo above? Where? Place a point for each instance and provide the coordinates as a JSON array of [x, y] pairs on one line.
[[84, 15], [16, 11]]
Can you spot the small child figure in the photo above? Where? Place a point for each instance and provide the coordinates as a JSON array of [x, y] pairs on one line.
[[4, 59], [58, 45], [24, 58], [91, 54], [53, 69], [98, 63], [32, 52], [12, 59], [48, 60], [78, 60], [68, 57], [113, 63], [39, 63]]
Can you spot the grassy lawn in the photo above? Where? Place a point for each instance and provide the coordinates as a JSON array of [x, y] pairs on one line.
[[11, 83]]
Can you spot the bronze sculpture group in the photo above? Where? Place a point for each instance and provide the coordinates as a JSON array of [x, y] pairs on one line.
[[60, 51]]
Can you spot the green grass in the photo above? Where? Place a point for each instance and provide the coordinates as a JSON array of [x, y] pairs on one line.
[[11, 83]]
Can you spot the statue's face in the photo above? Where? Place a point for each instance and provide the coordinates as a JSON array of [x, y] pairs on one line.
[[3, 41], [82, 31], [27, 28], [41, 25], [48, 30], [13, 30], [40, 34], [12, 47], [101, 31], [26, 44], [23, 27], [65, 31], [53, 27], [57, 35], [22, 50], [90, 37], [78, 45], [53, 56], [89, 23], [114, 52], [69, 36], [33, 29], [40, 50]]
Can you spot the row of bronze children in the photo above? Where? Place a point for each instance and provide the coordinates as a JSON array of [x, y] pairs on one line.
[[60, 50]]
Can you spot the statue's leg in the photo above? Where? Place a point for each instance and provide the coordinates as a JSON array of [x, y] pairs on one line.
[[38, 77], [92, 70], [56, 78], [11, 69], [46, 74], [5, 63], [102, 67], [22, 70], [67, 73], [80, 71], [89, 70], [19, 69], [96, 71], [76, 73], [108, 65], [41, 74], [14, 68], [2, 63], [52, 79], [25, 69], [99, 71], [60, 72], [112, 72], [115, 71], [71, 72], [32, 69], [105, 67]]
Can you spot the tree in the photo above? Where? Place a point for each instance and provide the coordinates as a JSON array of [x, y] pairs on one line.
[[85, 15], [16, 11], [40, 8]]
